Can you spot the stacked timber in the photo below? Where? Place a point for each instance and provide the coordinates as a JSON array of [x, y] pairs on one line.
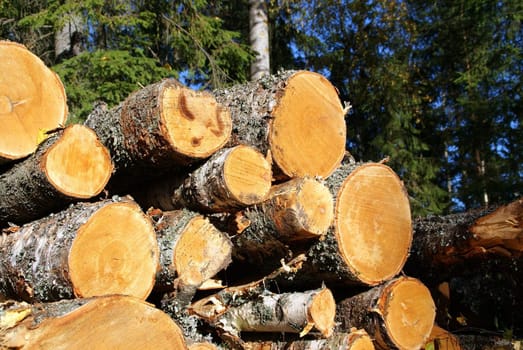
[[204, 220]]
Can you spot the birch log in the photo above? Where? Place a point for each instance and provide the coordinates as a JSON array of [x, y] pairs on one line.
[[109, 322], [89, 249], [163, 125], [192, 251], [355, 340], [295, 118], [230, 179], [397, 314], [371, 234], [71, 165], [296, 211]]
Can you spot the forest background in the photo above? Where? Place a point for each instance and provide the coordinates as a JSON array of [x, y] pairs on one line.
[[434, 85]]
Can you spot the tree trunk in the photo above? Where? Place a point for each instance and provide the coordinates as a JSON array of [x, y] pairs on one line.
[[232, 178], [370, 238], [280, 115], [161, 126], [110, 322], [32, 101], [397, 314], [298, 210], [68, 40], [72, 164], [89, 249], [355, 340], [192, 251], [259, 38]]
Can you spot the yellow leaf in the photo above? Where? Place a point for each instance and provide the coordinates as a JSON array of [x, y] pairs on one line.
[[430, 346], [42, 136], [10, 318], [462, 320]]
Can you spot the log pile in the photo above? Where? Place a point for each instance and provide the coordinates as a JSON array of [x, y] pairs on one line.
[[196, 220]]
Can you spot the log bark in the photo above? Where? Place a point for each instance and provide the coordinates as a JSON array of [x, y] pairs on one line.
[[476, 255], [483, 342], [298, 312], [89, 249], [355, 340], [109, 322], [231, 179], [32, 101], [163, 125], [446, 240], [397, 314], [295, 211], [278, 115], [71, 165], [192, 251], [369, 240]]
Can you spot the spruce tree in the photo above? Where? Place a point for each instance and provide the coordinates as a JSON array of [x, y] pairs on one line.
[[128, 44]]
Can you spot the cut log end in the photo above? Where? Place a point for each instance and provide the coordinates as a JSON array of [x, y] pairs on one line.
[[196, 124], [308, 130], [32, 101], [360, 340], [409, 312], [202, 346], [77, 164], [112, 322], [322, 312], [247, 175], [316, 203], [201, 252], [373, 223], [115, 252]]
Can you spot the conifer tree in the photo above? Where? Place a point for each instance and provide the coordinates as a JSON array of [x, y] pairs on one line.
[[128, 44]]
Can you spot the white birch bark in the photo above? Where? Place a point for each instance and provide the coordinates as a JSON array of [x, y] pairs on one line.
[[67, 41], [259, 38]]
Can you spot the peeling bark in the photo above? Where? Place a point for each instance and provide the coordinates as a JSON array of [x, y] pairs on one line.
[[357, 339]]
